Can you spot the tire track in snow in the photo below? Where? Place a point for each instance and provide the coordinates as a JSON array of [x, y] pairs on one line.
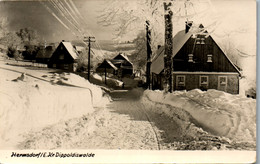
[[135, 111]]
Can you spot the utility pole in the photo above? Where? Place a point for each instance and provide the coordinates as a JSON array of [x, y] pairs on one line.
[[168, 63], [89, 40], [105, 71], [149, 54]]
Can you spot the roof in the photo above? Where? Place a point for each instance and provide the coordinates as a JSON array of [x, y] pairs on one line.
[[45, 53], [79, 48], [72, 51], [124, 56], [179, 40], [109, 63]]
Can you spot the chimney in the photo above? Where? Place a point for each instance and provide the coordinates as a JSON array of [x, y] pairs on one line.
[[188, 26], [63, 40]]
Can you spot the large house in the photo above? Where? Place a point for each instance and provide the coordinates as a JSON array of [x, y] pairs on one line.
[[120, 65], [64, 57], [198, 62]]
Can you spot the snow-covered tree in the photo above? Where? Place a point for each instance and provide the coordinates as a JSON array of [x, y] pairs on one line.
[[3, 27], [128, 18]]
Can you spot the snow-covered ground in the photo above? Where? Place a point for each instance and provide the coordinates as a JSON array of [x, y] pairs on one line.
[[43, 110], [216, 112], [30, 103]]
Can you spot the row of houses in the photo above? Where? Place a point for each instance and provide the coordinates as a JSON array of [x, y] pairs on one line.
[[65, 57], [198, 62]]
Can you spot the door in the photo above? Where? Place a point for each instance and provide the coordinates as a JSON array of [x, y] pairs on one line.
[[222, 83]]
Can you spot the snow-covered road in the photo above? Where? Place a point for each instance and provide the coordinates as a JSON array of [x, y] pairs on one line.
[[123, 124]]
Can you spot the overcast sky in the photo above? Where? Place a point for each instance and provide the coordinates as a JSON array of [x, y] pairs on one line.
[[21, 14]]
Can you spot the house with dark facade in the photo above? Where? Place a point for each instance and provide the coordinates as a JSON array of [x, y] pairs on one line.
[[120, 65], [64, 57], [124, 65], [198, 62]]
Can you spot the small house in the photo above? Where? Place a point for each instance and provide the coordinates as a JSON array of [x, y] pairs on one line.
[[44, 54], [119, 65], [107, 67], [64, 57], [124, 65], [198, 62]]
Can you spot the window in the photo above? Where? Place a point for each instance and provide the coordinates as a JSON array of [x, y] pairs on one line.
[[202, 41], [204, 80], [190, 58], [61, 57], [209, 58], [222, 80], [180, 80], [66, 66], [198, 41]]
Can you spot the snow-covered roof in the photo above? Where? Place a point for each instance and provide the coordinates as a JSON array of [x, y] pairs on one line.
[[79, 48], [45, 53], [111, 64], [125, 57], [179, 40], [72, 51]]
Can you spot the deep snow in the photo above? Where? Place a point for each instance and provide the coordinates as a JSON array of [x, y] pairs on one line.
[[216, 112], [28, 104]]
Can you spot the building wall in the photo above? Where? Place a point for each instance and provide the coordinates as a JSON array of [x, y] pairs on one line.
[[192, 81], [109, 70]]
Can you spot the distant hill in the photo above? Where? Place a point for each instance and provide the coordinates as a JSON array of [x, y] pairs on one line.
[[109, 45]]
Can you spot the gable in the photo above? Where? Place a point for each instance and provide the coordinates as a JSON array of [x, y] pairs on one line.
[[67, 50], [107, 64], [184, 44], [122, 57], [199, 60]]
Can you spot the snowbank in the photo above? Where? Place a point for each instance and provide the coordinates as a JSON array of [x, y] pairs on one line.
[[28, 104], [217, 112], [97, 77], [78, 81]]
